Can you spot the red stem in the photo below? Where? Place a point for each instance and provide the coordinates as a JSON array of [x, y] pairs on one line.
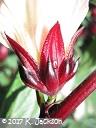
[[76, 97]]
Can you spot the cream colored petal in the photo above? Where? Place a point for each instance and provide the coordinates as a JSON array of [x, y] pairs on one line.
[[69, 13], [12, 16], [79, 12], [36, 18], [30, 17]]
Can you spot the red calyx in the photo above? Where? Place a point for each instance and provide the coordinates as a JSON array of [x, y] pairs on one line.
[[55, 67]]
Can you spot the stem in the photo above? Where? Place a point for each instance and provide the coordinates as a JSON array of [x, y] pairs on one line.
[[45, 105], [40, 98], [76, 97]]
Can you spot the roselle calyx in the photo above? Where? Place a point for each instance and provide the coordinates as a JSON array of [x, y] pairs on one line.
[[56, 66]]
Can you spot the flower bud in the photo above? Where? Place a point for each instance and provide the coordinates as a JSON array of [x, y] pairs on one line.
[[93, 12], [93, 28], [3, 53]]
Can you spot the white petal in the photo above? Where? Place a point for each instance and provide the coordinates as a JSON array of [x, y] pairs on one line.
[[37, 17], [70, 14], [12, 18]]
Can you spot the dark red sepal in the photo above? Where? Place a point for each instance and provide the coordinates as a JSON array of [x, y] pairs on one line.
[[67, 70], [29, 71], [52, 51], [31, 79], [52, 80], [52, 55], [70, 48], [23, 55]]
